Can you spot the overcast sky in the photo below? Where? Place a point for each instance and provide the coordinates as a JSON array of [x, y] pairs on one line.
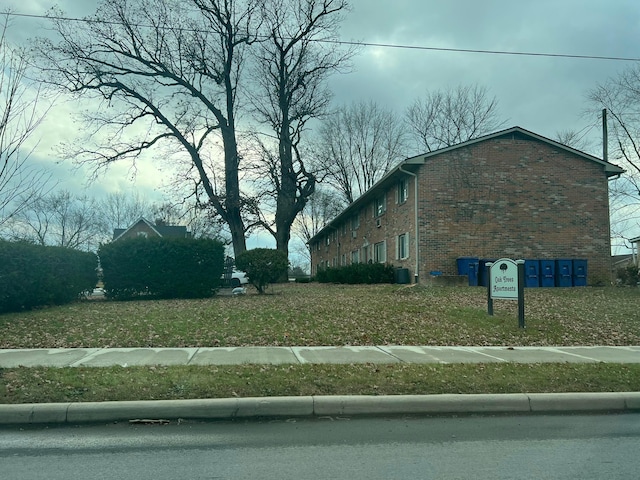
[[542, 94]]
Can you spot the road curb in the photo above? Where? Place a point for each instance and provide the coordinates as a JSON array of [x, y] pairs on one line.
[[317, 406]]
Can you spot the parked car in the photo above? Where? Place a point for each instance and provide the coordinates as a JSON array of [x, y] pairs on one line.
[[238, 278]]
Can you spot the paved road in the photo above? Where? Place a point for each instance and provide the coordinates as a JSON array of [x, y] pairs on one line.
[[503, 447]]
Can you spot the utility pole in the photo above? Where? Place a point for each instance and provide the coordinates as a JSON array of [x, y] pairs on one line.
[[605, 136]]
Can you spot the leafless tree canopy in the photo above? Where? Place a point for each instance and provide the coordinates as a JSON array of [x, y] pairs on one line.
[[19, 117], [573, 139], [621, 97], [61, 219], [290, 76], [359, 144], [448, 117], [171, 78], [167, 74]]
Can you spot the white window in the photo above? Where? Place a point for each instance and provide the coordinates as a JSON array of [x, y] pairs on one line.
[[403, 191], [379, 206], [402, 246], [355, 221], [380, 252], [355, 256]]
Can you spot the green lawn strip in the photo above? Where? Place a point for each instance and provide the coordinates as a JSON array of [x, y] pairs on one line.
[[314, 314], [40, 385]]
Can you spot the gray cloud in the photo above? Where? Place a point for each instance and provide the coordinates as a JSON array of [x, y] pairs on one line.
[[542, 94]]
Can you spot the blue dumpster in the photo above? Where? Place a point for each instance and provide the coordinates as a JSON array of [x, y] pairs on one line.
[[531, 273], [464, 263], [564, 273], [482, 271], [469, 266], [579, 273], [473, 274], [547, 273]]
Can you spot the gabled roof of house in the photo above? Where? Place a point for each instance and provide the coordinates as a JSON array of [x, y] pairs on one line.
[[160, 230], [412, 163]]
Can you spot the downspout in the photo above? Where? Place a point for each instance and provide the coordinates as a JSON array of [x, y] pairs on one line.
[[417, 232]]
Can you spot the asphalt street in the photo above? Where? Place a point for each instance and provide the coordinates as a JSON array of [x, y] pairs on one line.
[[486, 447]]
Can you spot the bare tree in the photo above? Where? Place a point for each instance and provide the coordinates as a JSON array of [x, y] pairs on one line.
[[448, 117], [166, 75], [292, 67], [574, 139], [61, 219], [120, 210], [19, 117], [323, 206], [359, 144], [620, 96]]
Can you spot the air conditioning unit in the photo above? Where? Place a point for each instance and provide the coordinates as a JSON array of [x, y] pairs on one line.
[[354, 234], [378, 222]]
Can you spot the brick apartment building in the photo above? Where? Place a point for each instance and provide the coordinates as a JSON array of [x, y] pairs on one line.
[[511, 194]]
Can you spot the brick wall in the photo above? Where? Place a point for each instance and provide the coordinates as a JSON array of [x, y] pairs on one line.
[[397, 219], [513, 197]]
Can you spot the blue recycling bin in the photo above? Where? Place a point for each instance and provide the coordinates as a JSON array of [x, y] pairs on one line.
[[464, 263], [532, 273], [564, 273], [482, 271], [473, 274], [469, 266], [547, 273], [580, 273]]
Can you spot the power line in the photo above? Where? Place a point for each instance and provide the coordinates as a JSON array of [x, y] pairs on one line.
[[369, 44], [489, 52]]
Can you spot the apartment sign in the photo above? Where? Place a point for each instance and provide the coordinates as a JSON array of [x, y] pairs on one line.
[[504, 279], [506, 282]]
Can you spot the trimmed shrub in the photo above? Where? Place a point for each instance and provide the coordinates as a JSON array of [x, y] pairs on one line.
[[162, 267], [357, 273], [629, 275], [34, 275], [263, 266]]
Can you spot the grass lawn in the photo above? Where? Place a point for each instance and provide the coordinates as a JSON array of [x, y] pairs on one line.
[[312, 314], [317, 314]]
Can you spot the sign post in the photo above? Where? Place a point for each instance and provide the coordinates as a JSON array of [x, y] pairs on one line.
[[506, 282]]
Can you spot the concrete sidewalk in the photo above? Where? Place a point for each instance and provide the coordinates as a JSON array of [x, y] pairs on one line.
[[103, 357], [314, 406]]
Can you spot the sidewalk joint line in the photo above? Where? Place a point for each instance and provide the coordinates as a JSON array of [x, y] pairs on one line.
[[382, 349], [472, 350], [298, 357], [192, 356], [559, 350]]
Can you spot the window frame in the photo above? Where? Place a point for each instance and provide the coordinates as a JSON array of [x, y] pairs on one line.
[[377, 248], [379, 206], [402, 193], [402, 246]]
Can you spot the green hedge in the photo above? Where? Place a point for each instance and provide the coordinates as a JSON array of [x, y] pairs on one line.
[[629, 276], [263, 266], [34, 275], [162, 267], [357, 273]]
